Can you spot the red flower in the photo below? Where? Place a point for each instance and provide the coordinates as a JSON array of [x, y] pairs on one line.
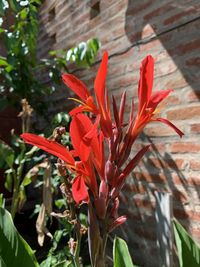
[[148, 102], [49, 146], [84, 139], [87, 102], [79, 190]]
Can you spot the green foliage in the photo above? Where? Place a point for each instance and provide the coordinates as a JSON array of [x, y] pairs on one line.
[[19, 40], [19, 69], [15, 160], [7, 153], [2, 201], [56, 255], [121, 255], [188, 249], [84, 54], [14, 251]]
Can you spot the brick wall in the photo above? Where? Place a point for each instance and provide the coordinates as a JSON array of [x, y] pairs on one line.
[[129, 30]]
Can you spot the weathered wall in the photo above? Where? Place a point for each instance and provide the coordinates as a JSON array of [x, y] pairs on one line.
[[129, 30]]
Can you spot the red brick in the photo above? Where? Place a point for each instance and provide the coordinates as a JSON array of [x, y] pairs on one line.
[[193, 96], [143, 203], [195, 165], [185, 214], [134, 188], [178, 82], [195, 128], [189, 180], [187, 47], [184, 113], [150, 46], [135, 9], [155, 178], [166, 163], [176, 17], [180, 196], [194, 61], [157, 131], [159, 11], [184, 148]]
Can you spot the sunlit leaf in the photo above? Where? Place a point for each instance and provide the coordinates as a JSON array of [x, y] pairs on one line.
[[121, 255], [188, 249], [14, 251]]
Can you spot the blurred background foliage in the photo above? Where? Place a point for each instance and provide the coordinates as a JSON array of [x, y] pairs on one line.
[[19, 66]]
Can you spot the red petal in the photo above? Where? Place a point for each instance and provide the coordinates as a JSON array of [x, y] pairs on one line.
[[133, 163], [120, 220], [99, 84], [171, 125], [157, 97], [82, 132], [122, 107], [76, 110], [146, 81], [79, 190], [76, 85], [49, 146]]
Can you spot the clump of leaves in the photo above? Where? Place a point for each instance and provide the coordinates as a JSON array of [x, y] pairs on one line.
[[19, 67]]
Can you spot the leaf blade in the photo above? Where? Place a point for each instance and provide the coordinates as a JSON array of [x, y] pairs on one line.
[[121, 255], [14, 251]]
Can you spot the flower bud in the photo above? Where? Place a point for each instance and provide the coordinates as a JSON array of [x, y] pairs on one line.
[[120, 220], [115, 207], [109, 171], [101, 201]]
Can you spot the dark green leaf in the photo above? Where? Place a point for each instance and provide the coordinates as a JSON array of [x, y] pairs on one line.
[[121, 255], [2, 202], [9, 181], [188, 249], [64, 264], [14, 251], [7, 153]]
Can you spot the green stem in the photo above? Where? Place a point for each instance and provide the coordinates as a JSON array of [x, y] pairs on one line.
[[14, 204], [78, 246], [17, 179]]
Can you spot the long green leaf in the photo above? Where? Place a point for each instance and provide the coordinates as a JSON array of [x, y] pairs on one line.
[[14, 251], [7, 153], [121, 255], [188, 249]]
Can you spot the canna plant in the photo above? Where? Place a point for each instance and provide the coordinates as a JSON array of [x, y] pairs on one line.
[[98, 163]]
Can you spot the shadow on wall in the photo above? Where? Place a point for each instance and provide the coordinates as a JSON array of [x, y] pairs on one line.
[[156, 173], [176, 25]]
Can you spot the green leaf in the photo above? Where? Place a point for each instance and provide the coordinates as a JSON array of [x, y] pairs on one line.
[[64, 264], [188, 249], [121, 255], [60, 203], [7, 153], [14, 5], [26, 181], [14, 251], [9, 181], [2, 203], [24, 13], [3, 62]]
